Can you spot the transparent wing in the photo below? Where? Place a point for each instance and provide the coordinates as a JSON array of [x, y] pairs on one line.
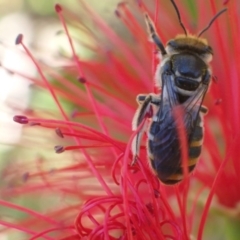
[[165, 145], [169, 99], [169, 96], [191, 106]]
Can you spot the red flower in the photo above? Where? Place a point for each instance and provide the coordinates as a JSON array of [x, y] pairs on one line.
[[97, 194]]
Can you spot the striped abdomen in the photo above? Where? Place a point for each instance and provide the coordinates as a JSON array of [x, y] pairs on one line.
[[164, 149]]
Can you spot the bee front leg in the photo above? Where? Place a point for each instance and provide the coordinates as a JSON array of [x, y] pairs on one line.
[[153, 35], [144, 110], [203, 109], [142, 97]]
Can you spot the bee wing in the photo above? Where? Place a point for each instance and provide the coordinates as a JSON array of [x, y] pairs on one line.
[[191, 106], [165, 143], [169, 96]]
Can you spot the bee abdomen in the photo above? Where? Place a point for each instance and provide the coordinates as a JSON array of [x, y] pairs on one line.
[[178, 176], [165, 158], [194, 154]]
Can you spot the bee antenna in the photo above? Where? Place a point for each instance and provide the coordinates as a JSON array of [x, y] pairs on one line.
[[211, 22], [179, 16]]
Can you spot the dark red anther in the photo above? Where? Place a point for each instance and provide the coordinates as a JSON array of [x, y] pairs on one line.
[[139, 2], [58, 8], [52, 170], [59, 132], [215, 79], [117, 13], [19, 39], [20, 119], [25, 176], [82, 80], [59, 149], [218, 101], [74, 113], [150, 208], [225, 2], [133, 231], [156, 193]]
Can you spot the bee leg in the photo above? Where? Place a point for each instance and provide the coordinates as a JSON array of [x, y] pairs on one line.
[[144, 110], [203, 109], [153, 34], [155, 99]]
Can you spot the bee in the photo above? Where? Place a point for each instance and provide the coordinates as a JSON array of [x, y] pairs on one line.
[[183, 76]]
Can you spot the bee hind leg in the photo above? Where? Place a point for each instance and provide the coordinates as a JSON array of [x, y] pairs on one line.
[[144, 110]]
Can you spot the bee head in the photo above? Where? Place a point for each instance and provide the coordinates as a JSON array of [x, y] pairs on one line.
[[186, 56], [183, 42], [191, 44]]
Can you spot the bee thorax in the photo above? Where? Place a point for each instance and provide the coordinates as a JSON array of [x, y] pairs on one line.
[[188, 65]]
